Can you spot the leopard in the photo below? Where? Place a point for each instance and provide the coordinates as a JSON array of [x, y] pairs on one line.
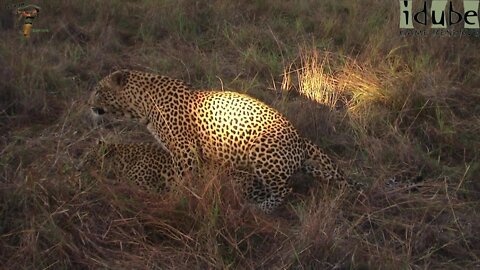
[[144, 164], [147, 165], [227, 127]]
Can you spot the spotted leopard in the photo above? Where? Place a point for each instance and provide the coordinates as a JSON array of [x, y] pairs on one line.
[[146, 165], [227, 127]]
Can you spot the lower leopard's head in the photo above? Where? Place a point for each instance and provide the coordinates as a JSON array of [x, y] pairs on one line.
[[145, 164], [97, 156]]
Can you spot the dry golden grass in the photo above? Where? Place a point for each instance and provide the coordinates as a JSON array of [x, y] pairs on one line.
[[315, 82]]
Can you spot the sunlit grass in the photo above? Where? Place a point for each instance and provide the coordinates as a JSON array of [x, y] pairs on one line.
[[341, 84], [316, 80]]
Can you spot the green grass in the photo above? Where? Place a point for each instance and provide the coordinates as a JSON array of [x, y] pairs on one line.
[[339, 70]]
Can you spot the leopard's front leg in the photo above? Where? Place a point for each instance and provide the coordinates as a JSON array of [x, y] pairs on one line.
[[185, 159]]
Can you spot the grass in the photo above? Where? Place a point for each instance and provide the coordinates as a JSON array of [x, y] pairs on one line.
[[378, 102]]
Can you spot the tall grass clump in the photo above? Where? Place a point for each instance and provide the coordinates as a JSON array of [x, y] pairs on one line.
[[316, 80]]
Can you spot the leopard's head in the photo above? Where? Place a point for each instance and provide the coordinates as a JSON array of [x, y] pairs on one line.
[[114, 95]]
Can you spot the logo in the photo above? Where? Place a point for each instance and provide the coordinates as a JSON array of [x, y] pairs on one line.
[[440, 18], [29, 13]]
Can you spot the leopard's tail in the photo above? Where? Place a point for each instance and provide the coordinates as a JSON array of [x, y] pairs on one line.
[[318, 164]]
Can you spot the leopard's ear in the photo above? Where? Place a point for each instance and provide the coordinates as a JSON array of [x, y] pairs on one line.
[[100, 142], [118, 79], [103, 148]]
